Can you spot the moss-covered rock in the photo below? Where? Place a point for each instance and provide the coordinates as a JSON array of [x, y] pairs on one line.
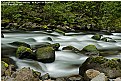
[[60, 31], [111, 68], [108, 39], [90, 50], [45, 54], [24, 52], [71, 48], [17, 43], [4, 67], [96, 37], [55, 46]]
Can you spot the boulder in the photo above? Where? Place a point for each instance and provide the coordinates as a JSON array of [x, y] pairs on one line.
[[108, 39], [45, 54], [17, 43], [24, 74], [90, 50], [71, 48], [96, 37], [118, 79], [24, 52], [4, 67], [112, 68], [90, 74], [100, 77]]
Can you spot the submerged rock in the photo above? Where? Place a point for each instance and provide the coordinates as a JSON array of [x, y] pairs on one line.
[[17, 43], [96, 37], [45, 44], [24, 52], [108, 39], [2, 36], [71, 48], [45, 54], [112, 68], [90, 50]]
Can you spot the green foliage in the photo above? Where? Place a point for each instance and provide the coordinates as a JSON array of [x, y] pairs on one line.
[[90, 15]]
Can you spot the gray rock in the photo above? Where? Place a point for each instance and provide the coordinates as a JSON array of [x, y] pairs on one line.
[[24, 74], [90, 74], [100, 77]]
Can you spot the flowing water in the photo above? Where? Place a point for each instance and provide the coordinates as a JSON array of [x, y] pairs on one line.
[[66, 62]]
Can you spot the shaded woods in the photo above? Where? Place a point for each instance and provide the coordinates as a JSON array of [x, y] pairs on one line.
[[65, 16]]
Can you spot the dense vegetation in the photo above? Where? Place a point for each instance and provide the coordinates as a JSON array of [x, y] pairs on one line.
[[71, 15]]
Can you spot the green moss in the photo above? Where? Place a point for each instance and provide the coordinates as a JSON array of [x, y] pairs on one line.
[[5, 64], [23, 51], [70, 48], [98, 59], [113, 63], [55, 46], [90, 48], [96, 37], [60, 31]]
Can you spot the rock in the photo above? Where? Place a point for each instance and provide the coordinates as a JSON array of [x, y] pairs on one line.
[[45, 44], [16, 43], [24, 74], [2, 36], [90, 50], [11, 69], [7, 49], [60, 31], [45, 77], [100, 77], [49, 38], [40, 45], [90, 74], [71, 48], [55, 46], [112, 68], [60, 79], [7, 78], [96, 37], [4, 67], [118, 79], [75, 78], [108, 39], [24, 52], [45, 54]]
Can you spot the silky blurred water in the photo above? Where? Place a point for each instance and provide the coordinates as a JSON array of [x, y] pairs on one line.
[[66, 62]]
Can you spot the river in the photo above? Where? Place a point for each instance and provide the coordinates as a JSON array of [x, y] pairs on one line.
[[66, 62]]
